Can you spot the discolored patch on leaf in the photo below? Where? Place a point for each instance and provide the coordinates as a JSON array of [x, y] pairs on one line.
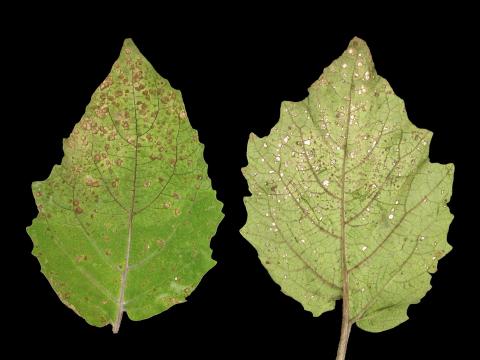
[[345, 203], [104, 231]]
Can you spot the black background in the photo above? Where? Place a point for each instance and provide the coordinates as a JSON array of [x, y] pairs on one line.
[[233, 76]]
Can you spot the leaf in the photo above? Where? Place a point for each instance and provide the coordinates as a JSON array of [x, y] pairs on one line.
[[345, 203], [124, 222]]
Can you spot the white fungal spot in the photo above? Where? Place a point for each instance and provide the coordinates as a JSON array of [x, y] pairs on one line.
[[277, 158], [359, 64], [285, 139], [364, 248], [271, 172], [326, 182], [265, 145], [350, 51], [344, 65], [307, 142], [263, 160], [176, 278], [302, 241], [390, 216], [367, 75]]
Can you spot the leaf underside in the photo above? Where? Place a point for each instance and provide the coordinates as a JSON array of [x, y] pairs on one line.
[[125, 221], [344, 179]]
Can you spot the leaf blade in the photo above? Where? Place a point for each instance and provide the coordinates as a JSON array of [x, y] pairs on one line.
[[124, 221], [341, 164]]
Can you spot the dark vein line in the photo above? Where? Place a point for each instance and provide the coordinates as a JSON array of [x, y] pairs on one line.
[[363, 261], [154, 119], [170, 177], [80, 269], [387, 178], [374, 299], [87, 233], [105, 183], [305, 155], [117, 130], [297, 254]]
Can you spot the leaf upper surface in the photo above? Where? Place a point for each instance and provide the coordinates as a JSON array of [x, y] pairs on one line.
[[345, 176], [125, 221]]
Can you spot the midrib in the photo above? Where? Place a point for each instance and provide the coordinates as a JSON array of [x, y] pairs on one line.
[[346, 322], [131, 214]]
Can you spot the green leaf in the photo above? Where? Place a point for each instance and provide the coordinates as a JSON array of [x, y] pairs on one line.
[[125, 221], [345, 203]]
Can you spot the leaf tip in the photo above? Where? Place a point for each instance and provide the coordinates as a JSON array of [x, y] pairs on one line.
[[129, 46], [358, 46], [357, 42]]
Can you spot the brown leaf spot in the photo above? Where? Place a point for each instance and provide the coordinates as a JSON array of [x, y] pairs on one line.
[[38, 194], [78, 210], [75, 202], [147, 183], [160, 243], [115, 183], [97, 157], [90, 181], [100, 112], [106, 83], [118, 93], [167, 205], [177, 212], [108, 252], [81, 258], [176, 196]]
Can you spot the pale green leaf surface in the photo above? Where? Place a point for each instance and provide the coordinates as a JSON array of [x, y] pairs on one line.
[[346, 165], [125, 221]]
